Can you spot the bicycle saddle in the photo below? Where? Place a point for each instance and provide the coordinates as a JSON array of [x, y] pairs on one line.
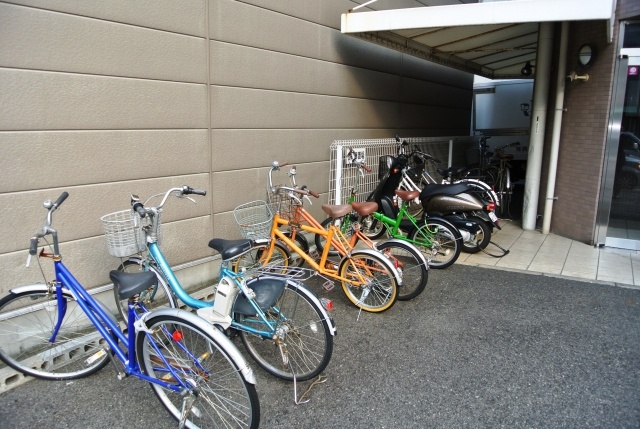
[[230, 249], [130, 284], [336, 211], [451, 171]]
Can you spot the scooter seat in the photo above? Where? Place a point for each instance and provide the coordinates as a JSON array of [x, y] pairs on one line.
[[433, 189]]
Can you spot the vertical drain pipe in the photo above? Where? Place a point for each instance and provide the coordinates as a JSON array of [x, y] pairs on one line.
[[557, 127], [538, 121]]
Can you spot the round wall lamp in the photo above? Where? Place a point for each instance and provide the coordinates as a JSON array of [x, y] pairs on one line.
[[586, 55], [527, 69]]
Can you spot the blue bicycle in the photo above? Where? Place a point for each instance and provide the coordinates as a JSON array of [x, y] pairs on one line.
[[58, 331], [282, 324]]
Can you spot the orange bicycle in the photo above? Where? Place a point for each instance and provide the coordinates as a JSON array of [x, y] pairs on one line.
[[406, 258], [369, 279]]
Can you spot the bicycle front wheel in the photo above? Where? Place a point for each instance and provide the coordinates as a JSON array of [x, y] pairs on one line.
[[370, 285], [178, 349], [298, 340], [439, 243], [257, 257], [410, 263], [157, 296], [27, 323]]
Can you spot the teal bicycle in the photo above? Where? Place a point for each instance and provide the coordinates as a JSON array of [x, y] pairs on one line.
[[282, 324], [58, 331]]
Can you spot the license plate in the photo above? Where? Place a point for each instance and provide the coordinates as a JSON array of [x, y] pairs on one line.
[[493, 216]]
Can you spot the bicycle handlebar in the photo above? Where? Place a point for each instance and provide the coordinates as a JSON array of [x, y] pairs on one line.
[[61, 199], [301, 191], [46, 229], [184, 190], [424, 156]]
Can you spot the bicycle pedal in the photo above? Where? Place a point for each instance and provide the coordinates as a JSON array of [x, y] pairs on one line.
[[328, 285]]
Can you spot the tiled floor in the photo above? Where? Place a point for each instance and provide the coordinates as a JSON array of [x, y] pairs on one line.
[[531, 251]]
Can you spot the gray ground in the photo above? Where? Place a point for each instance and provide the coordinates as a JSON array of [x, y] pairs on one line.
[[479, 348]]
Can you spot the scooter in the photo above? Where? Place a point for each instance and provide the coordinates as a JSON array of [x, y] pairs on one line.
[[458, 203], [391, 174]]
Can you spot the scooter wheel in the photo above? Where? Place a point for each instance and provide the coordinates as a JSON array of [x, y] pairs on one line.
[[483, 237]]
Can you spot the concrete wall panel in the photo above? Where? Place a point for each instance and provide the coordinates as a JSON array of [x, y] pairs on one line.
[[242, 24], [249, 108], [44, 40], [81, 156], [238, 149], [234, 65], [184, 17], [34, 100]]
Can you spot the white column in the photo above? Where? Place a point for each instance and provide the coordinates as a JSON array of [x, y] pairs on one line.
[[538, 121], [557, 127]]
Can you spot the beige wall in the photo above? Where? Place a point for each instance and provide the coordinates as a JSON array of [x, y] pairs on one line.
[[105, 99]]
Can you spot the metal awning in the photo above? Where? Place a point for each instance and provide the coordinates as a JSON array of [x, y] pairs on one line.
[[493, 39]]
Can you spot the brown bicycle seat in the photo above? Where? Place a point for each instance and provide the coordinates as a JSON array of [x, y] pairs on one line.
[[366, 208], [506, 156], [336, 211], [407, 195]]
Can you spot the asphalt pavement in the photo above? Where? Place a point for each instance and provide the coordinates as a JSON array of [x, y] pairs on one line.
[[479, 348]]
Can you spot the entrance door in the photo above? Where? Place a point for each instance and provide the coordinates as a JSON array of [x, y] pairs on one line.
[[620, 204]]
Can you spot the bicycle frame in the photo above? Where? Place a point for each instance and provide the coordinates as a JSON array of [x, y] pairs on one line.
[[157, 255], [334, 236], [393, 225], [108, 328]]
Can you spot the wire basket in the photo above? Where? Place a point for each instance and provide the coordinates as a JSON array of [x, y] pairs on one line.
[[283, 205], [124, 234], [254, 219]]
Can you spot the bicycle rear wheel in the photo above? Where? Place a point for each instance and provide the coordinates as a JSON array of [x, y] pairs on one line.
[[379, 290], [222, 397], [439, 244], [27, 322], [303, 336], [157, 296], [407, 260]]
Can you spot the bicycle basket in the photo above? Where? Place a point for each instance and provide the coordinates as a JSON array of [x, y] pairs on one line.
[[123, 231], [284, 205], [254, 219]]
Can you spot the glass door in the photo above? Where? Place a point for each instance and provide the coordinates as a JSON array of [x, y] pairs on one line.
[[620, 204]]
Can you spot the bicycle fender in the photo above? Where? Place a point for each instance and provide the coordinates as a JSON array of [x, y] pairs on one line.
[[300, 287], [36, 287], [423, 260], [385, 261], [488, 189], [304, 290], [451, 226], [217, 335]]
